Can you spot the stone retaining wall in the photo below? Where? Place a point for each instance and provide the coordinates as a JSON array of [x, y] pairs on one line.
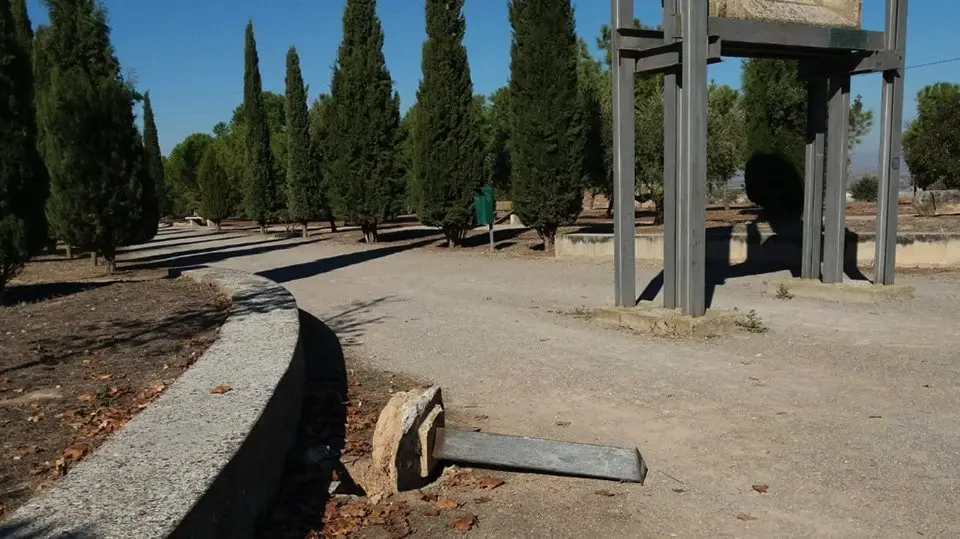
[[914, 250], [194, 464]]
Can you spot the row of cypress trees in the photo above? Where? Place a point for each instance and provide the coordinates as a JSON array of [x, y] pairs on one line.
[[354, 165], [73, 164]]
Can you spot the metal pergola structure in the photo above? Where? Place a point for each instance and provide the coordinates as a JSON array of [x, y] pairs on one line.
[[828, 56]]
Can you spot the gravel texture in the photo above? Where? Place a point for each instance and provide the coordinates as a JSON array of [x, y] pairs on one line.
[[166, 472], [846, 411]]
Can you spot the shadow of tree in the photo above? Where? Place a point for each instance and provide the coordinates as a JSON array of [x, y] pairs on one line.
[[201, 257], [34, 292], [30, 529], [309, 269]]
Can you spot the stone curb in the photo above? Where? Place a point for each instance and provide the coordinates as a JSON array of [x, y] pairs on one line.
[[194, 464]]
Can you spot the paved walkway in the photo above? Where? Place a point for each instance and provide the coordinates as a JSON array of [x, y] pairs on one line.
[[847, 412]]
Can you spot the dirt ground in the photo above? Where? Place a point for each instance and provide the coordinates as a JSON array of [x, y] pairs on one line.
[[81, 353]]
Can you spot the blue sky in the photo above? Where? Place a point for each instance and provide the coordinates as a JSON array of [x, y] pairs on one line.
[[189, 53]]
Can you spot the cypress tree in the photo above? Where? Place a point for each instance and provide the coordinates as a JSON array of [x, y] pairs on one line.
[[92, 147], [548, 136], [215, 199], [261, 188], [449, 147], [17, 147], [38, 185], [363, 123], [318, 117], [303, 181], [154, 191]]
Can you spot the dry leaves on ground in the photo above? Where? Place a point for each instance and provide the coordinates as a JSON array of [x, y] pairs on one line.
[[346, 519], [469, 479], [762, 489], [464, 523], [447, 503], [746, 517], [221, 389]]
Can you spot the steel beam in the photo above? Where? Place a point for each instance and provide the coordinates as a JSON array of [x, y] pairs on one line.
[[671, 110], [624, 157], [836, 165], [749, 36], [891, 124], [813, 178], [693, 157], [524, 453]]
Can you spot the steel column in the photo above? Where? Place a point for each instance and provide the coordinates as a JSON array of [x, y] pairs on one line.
[[813, 172], [891, 124], [624, 157], [671, 96], [693, 158], [836, 165]]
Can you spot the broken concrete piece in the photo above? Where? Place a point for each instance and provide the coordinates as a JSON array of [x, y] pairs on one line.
[[843, 13], [652, 319], [940, 202], [397, 463]]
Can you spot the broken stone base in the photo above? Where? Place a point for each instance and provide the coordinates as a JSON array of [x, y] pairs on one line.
[[652, 319], [848, 291], [402, 445]]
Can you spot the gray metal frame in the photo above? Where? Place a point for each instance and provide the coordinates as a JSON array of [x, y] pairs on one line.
[[689, 41]]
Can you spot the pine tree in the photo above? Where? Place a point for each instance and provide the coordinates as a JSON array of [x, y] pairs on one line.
[[548, 135], [303, 180], [215, 199], [261, 189], [449, 149], [92, 146], [363, 122], [153, 168]]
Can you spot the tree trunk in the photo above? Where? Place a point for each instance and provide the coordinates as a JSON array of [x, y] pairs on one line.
[[369, 233], [263, 229], [219, 226], [333, 224], [726, 199], [69, 251], [111, 264], [548, 241], [306, 231], [610, 207], [94, 259]]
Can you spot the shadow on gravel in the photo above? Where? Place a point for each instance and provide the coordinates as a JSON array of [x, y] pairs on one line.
[[201, 257], [157, 242], [324, 265]]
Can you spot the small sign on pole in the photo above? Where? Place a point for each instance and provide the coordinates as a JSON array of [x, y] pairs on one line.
[[483, 207]]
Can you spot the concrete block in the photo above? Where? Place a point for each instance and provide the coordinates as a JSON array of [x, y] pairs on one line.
[[400, 439], [849, 291], [933, 203], [651, 319], [842, 13]]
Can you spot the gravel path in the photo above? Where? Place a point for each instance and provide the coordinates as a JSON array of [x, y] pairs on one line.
[[847, 412]]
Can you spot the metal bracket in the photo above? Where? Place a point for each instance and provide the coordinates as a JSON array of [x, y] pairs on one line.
[[669, 56], [875, 62]]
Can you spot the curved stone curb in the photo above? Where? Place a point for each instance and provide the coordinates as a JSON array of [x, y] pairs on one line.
[[194, 464]]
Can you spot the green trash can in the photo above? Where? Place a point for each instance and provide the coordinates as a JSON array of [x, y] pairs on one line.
[[484, 210]]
